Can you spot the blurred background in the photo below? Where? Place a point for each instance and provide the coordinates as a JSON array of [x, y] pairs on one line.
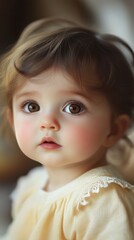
[[107, 16]]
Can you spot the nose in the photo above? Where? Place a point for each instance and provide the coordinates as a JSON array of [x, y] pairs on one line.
[[50, 123]]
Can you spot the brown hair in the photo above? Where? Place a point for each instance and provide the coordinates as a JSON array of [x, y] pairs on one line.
[[57, 42]]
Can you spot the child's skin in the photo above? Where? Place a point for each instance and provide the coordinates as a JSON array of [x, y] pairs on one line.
[[67, 131], [69, 98]]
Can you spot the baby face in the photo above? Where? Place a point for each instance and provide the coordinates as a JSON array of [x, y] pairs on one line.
[[57, 124]]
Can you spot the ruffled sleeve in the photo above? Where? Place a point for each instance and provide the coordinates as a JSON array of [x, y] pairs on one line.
[[106, 214]]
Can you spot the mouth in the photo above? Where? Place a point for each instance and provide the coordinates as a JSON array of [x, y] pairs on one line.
[[49, 144]]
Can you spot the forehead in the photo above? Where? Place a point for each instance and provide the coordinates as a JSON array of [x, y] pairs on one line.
[[57, 78], [56, 85]]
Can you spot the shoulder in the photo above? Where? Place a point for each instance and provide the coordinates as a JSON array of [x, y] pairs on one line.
[[97, 184], [107, 207], [102, 187], [103, 208], [25, 187]]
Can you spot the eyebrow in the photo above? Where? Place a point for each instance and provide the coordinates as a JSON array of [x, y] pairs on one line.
[[73, 92], [83, 95], [64, 92], [23, 94]]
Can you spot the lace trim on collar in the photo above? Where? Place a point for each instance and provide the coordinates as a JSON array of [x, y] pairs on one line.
[[103, 182]]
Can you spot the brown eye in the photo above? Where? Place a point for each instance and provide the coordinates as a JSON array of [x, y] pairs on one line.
[[74, 108], [31, 107]]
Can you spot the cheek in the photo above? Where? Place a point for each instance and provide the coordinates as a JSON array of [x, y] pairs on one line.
[[89, 137], [23, 133], [81, 137]]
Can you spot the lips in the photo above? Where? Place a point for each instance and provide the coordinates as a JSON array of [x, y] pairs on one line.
[[49, 143]]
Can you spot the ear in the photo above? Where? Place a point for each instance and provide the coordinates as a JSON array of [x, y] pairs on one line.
[[9, 115], [118, 129]]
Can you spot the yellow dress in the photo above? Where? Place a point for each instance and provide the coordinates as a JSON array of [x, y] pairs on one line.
[[98, 205]]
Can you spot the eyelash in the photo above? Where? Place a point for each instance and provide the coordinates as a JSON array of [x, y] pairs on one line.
[[72, 107], [78, 107], [27, 105]]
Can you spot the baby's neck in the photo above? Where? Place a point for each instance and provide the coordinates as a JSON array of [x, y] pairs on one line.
[[57, 178]]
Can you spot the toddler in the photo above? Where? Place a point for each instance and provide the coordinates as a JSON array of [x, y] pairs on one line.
[[69, 95]]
